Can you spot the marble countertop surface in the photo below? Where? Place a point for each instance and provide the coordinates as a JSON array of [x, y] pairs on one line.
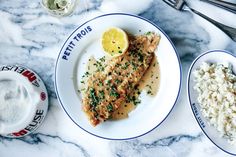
[[30, 36]]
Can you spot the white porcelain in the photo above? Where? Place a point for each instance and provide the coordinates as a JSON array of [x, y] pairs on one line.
[[36, 110], [29, 112], [71, 65], [214, 56]]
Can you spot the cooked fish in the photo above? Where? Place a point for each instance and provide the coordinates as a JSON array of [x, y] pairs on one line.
[[109, 86]]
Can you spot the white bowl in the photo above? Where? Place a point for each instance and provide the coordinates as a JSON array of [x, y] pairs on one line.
[[214, 56], [71, 66]]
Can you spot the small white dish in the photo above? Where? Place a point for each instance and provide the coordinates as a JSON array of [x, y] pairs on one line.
[[31, 103], [214, 56], [71, 65]]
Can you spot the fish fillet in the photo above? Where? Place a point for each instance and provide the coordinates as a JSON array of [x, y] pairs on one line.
[[108, 87]]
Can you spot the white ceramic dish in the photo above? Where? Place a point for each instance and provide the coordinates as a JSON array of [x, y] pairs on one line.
[[85, 42], [214, 56], [34, 93]]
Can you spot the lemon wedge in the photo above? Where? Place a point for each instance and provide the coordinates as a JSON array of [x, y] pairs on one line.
[[115, 41]]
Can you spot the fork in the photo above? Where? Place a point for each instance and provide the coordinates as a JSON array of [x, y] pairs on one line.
[[182, 5], [224, 4]]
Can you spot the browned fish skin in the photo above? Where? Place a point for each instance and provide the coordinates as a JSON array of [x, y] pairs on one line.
[[108, 87]]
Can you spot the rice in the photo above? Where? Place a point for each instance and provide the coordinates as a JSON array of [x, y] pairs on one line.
[[216, 87]]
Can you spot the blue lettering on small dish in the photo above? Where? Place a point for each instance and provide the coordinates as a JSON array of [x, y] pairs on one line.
[[196, 113], [82, 33]]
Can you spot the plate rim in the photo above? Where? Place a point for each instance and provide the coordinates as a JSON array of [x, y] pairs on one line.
[[180, 78], [188, 91]]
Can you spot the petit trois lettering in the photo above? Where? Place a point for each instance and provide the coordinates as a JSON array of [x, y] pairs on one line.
[[82, 33], [68, 50]]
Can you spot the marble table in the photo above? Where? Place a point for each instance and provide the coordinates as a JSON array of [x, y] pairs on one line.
[[31, 37]]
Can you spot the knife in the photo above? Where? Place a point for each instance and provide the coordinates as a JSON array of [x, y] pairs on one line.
[[229, 5]]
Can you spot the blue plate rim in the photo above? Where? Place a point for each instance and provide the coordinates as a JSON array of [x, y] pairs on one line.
[[125, 14]]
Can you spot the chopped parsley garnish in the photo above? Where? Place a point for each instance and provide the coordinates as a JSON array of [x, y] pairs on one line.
[[134, 65], [99, 65], [100, 68], [117, 65], [125, 66], [150, 87], [102, 59], [113, 92], [117, 81], [140, 57], [119, 51], [149, 33], [94, 99], [131, 52], [149, 92], [110, 108], [101, 94], [133, 99], [86, 74], [100, 84], [108, 82], [137, 101]]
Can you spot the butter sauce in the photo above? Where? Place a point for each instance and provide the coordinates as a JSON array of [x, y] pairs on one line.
[[149, 84]]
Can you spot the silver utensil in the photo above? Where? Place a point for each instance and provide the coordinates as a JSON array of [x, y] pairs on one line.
[[228, 5], [182, 5]]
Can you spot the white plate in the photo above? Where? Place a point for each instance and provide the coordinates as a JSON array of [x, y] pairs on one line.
[[214, 56], [71, 66]]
